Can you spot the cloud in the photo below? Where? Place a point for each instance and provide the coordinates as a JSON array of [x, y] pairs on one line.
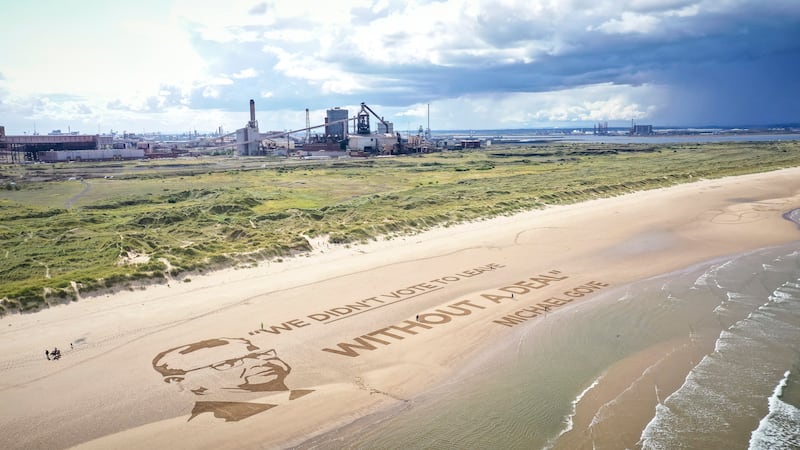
[[587, 104], [629, 23], [166, 97], [245, 73], [497, 62], [258, 9], [379, 6]]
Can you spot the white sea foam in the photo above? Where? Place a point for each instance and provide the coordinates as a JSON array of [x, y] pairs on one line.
[[573, 410], [709, 277], [718, 405], [723, 341], [735, 296], [650, 431], [702, 280], [780, 296], [701, 408], [659, 432], [626, 296], [601, 412], [780, 428]]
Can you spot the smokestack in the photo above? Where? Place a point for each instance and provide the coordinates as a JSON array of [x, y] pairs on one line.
[[252, 111]]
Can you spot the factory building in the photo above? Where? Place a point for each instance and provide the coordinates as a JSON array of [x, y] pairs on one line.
[[248, 138], [385, 127], [31, 147], [91, 155], [363, 142], [336, 123], [372, 143], [470, 143], [335, 141], [641, 130]]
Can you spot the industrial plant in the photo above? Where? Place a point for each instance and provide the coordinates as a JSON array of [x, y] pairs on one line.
[[340, 135]]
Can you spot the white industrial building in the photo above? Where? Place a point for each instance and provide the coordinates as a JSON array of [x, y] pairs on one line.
[[91, 155]]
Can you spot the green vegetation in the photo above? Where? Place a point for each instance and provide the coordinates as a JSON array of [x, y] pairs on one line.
[[96, 226]]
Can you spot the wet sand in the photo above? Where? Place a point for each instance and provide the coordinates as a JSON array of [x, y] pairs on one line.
[[615, 411], [344, 319]]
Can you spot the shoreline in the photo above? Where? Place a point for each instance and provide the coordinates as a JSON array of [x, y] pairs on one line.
[[613, 410], [633, 237]]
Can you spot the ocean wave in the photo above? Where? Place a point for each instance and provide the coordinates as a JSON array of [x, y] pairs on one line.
[[687, 410], [703, 279], [720, 309], [573, 410], [651, 431], [780, 428], [724, 385], [634, 385], [737, 296], [784, 294], [722, 342]]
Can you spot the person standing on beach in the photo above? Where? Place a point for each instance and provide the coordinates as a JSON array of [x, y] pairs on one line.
[[47, 354]]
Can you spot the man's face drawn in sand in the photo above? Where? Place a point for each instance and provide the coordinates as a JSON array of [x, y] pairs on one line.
[[223, 365]]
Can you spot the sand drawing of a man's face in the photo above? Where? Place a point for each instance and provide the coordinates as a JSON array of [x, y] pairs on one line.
[[223, 365]]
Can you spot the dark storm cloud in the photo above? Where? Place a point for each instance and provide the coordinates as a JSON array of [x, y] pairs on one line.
[[722, 65], [665, 61], [743, 92], [718, 59]]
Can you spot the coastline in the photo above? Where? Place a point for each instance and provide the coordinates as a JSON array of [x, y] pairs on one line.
[[492, 401], [611, 241]]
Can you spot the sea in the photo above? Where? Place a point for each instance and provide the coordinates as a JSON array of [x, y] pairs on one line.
[[703, 358], [533, 136]]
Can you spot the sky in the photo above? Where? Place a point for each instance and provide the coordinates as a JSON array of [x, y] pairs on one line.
[[183, 65]]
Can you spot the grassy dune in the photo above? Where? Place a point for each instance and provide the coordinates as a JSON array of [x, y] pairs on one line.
[[93, 226]]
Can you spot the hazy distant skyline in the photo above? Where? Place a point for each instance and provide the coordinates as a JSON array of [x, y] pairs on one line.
[[182, 65]]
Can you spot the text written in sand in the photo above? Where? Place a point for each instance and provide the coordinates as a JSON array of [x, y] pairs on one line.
[[369, 304], [387, 335]]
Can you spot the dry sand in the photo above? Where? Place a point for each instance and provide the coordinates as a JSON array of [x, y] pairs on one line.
[[106, 393]]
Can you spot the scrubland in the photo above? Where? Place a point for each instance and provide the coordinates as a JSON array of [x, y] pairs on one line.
[[70, 229]]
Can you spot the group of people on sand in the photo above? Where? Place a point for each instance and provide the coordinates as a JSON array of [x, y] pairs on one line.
[[52, 354], [55, 353]]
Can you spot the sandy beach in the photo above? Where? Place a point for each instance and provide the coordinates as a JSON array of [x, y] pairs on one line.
[[275, 355]]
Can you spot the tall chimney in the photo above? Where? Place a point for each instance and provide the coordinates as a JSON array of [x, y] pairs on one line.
[[252, 111]]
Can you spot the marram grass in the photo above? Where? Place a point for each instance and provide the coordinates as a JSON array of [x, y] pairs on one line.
[[93, 226]]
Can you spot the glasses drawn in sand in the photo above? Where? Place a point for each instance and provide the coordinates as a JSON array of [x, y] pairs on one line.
[[223, 371]]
